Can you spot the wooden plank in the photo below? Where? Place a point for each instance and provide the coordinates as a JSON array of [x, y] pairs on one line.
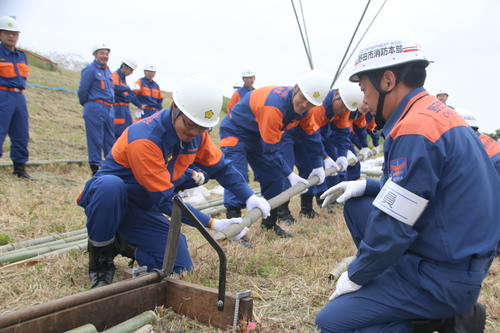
[[192, 300], [200, 302]]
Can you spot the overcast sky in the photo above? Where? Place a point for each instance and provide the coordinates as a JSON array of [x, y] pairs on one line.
[[220, 37]]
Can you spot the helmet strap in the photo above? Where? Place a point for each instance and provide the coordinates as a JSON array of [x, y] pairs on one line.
[[379, 120]]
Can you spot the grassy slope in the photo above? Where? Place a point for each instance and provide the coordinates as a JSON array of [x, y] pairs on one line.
[[287, 277]]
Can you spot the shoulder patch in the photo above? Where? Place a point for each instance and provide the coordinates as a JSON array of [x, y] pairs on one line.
[[398, 169]]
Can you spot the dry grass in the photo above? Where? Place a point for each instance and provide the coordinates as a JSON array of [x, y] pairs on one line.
[[288, 277]]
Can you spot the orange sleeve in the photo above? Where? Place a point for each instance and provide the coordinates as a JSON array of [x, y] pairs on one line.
[[492, 146], [116, 78], [208, 153], [314, 119], [342, 121], [270, 122], [360, 122], [371, 125], [146, 161], [232, 102]]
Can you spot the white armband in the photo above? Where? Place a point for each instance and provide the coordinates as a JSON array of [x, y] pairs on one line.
[[401, 204]]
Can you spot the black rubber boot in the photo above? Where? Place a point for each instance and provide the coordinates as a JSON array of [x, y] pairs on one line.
[[306, 207], [232, 212], [472, 321], [426, 326], [101, 265], [121, 246], [269, 223], [320, 201], [20, 171], [94, 169], [284, 214]]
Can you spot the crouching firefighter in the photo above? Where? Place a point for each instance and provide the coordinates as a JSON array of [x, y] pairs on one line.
[[126, 199], [427, 232]]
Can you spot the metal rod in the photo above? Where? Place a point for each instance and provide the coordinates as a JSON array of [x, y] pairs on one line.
[[222, 256]]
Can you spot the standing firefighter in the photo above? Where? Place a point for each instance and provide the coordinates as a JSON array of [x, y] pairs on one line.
[[126, 199], [428, 231], [13, 110], [97, 96], [123, 95], [148, 97]]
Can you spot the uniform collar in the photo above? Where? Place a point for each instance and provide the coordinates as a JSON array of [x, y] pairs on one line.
[[6, 50], [98, 65], [393, 119]]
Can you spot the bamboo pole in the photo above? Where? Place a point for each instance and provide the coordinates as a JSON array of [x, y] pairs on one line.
[[13, 257], [247, 220], [31, 242], [88, 328], [56, 242], [335, 273], [135, 323]]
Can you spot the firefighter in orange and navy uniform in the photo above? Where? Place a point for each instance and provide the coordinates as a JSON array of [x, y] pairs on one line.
[[253, 131], [427, 232], [13, 109], [149, 98], [492, 146], [96, 94], [123, 95], [333, 119], [126, 199], [248, 76]]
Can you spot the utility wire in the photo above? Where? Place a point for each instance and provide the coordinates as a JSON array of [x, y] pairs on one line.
[[362, 36], [345, 63], [301, 34], [307, 36], [349, 46]]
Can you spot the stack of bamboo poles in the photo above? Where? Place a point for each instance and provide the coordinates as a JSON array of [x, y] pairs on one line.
[[33, 251], [142, 323]]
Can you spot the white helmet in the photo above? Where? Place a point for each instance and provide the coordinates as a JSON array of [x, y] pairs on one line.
[[150, 67], [237, 84], [351, 95], [385, 48], [468, 116], [199, 97], [130, 62], [100, 46], [247, 72], [442, 92], [9, 23], [315, 85]]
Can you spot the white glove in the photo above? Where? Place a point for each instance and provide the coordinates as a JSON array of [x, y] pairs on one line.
[[351, 158], [294, 179], [261, 203], [219, 225], [139, 113], [375, 151], [329, 163], [241, 234], [344, 191], [198, 177], [135, 86], [344, 286], [320, 172], [364, 154], [342, 162]]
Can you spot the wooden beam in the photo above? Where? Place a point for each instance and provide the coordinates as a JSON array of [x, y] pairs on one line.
[[195, 301]]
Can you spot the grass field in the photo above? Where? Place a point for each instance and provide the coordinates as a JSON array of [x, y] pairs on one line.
[[288, 277]]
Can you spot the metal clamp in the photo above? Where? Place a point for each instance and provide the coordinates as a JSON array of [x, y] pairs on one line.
[[239, 296]]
